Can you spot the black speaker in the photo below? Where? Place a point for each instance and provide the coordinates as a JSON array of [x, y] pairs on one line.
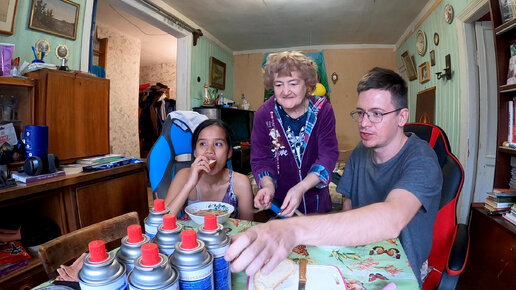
[[36, 166]]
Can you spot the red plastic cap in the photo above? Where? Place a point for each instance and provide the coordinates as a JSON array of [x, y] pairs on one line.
[[188, 239], [169, 222], [150, 254], [134, 233], [97, 251], [159, 205], [210, 222]]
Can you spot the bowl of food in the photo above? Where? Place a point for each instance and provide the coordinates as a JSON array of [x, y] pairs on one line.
[[198, 210]]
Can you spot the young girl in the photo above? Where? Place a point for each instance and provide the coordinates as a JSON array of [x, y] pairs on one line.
[[203, 181]]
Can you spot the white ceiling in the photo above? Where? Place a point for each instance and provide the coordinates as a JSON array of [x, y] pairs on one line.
[[253, 25]]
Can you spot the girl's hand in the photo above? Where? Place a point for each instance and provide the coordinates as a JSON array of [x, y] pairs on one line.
[[199, 166]]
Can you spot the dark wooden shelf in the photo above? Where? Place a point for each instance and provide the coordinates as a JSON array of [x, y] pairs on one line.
[[500, 220], [507, 150], [508, 88], [33, 263], [506, 27], [14, 81]]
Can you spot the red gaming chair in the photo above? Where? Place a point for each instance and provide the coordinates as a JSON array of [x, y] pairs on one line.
[[450, 240]]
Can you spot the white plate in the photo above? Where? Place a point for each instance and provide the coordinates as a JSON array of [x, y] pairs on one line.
[[317, 277]]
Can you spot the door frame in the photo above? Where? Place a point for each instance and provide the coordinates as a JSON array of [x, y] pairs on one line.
[[146, 13], [469, 96]]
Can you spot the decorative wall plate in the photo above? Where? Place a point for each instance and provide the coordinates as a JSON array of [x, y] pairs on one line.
[[421, 42], [448, 13], [62, 51], [334, 77], [42, 46], [436, 39]]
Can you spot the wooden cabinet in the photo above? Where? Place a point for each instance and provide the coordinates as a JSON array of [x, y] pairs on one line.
[[492, 252], [72, 202], [76, 109]]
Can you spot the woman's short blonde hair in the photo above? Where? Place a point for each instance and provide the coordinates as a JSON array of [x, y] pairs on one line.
[[284, 63]]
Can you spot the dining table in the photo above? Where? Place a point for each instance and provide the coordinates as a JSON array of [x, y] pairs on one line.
[[371, 266]]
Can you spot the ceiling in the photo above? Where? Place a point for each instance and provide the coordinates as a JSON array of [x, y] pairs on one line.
[[253, 25], [245, 25], [157, 46]]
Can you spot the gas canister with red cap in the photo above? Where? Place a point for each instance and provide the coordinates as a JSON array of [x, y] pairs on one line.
[[193, 261], [101, 270], [130, 249], [169, 233], [217, 243], [155, 217], [153, 271]]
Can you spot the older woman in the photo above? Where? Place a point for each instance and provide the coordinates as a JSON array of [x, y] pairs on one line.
[[294, 146]]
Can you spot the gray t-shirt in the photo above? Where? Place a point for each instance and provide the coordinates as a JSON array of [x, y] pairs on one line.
[[416, 169]]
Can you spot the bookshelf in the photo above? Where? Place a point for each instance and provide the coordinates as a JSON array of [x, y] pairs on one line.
[[504, 34]]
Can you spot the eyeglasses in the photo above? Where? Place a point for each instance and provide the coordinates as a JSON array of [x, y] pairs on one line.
[[374, 116]]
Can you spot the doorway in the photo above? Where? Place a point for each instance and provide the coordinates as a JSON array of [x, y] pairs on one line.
[[478, 98]]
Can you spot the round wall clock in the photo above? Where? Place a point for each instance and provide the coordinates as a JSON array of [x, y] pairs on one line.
[[436, 39], [421, 43], [448, 13]]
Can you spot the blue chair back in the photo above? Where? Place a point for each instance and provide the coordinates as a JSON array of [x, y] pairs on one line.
[[171, 152]]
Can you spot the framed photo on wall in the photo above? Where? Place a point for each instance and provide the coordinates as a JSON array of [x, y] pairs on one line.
[[7, 16], [217, 74], [409, 65], [57, 17], [424, 72]]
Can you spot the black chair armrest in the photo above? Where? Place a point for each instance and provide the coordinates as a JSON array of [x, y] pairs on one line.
[[459, 251]]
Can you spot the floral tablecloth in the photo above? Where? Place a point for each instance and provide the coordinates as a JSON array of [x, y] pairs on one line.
[[364, 267]]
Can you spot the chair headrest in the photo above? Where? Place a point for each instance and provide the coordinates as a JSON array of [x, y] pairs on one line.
[[435, 136]]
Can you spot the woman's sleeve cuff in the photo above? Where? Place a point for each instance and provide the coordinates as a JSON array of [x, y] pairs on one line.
[[322, 173], [262, 175]]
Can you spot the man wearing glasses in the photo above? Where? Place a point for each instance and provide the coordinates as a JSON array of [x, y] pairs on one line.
[[390, 171], [392, 184]]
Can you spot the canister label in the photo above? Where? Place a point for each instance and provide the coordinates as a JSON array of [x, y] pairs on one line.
[[196, 280], [221, 271], [151, 231], [118, 284], [172, 287]]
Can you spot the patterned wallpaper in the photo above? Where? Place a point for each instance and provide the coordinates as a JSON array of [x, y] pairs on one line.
[[123, 68], [164, 73]]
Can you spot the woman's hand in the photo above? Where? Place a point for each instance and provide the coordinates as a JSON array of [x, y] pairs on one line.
[[264, 196], [292, 200]]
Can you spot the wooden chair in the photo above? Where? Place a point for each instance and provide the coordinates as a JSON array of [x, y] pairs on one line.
[[69, 246]]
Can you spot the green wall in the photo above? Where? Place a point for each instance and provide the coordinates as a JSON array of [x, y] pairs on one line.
[[447, 101], [24, 38], [201, 68]]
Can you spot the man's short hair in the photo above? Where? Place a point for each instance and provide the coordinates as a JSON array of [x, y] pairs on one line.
[[388, 80]]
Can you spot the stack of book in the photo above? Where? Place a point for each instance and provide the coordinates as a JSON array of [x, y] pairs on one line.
[[511, 215], [500, 200], [512, 182]]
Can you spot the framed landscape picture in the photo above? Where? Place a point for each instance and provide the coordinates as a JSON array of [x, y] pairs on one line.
[[7, 16], [217, 74], [57, 17]]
